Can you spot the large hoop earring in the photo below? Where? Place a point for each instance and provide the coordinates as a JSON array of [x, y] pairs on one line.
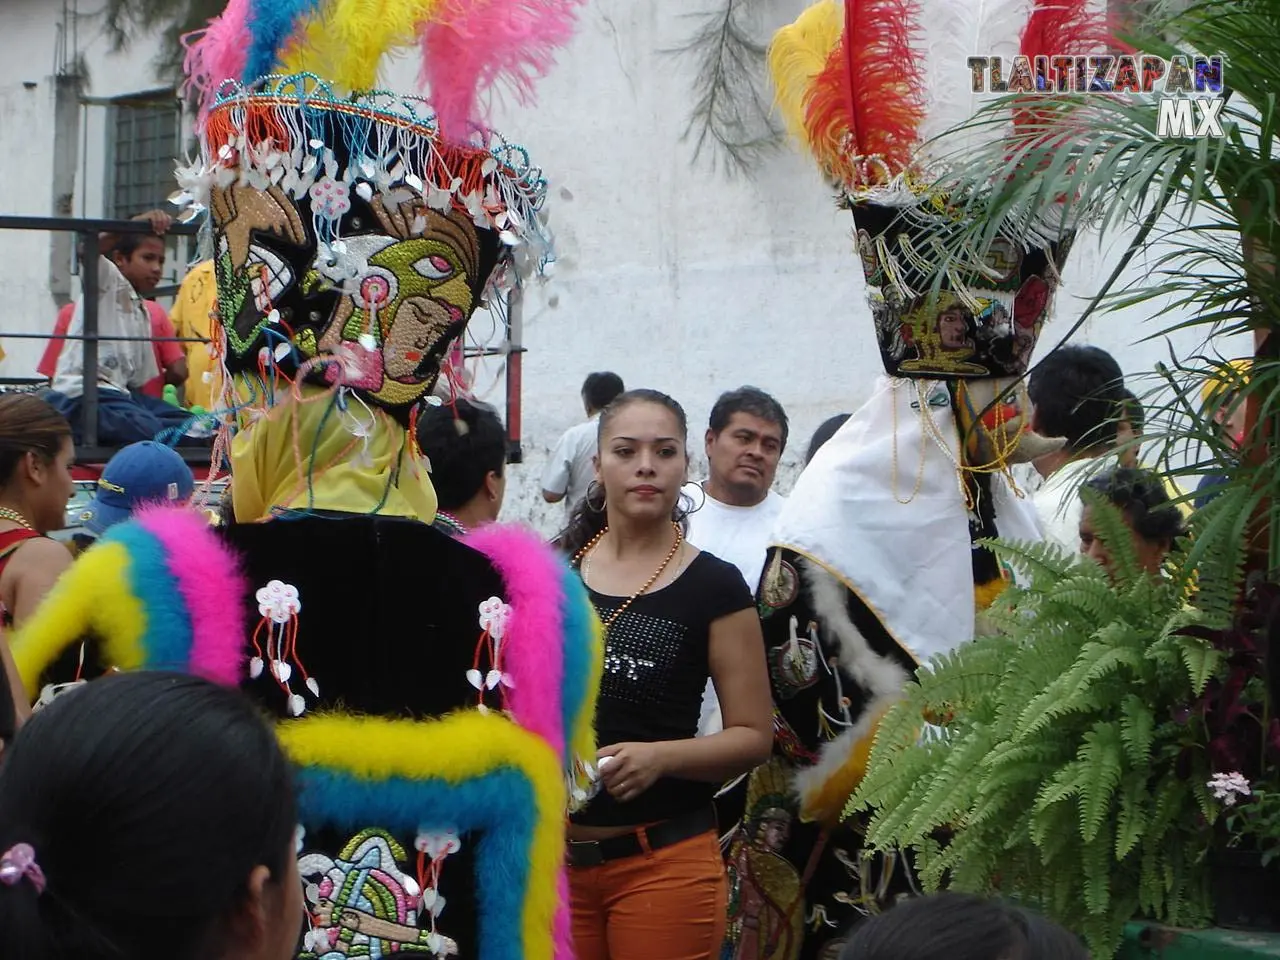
[[593, 486], [694, 509]]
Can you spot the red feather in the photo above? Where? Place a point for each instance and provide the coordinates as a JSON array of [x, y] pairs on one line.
[[1065, 28], [868, 100]]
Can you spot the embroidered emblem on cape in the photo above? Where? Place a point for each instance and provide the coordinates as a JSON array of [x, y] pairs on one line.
[[279, 605], [494, 616], [781, 586], [794, 665], [363, 904]]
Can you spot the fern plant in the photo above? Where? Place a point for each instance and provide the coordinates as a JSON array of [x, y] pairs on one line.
[[1053, 760]]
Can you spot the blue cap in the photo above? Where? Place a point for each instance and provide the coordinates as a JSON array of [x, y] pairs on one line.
[[141, 473]]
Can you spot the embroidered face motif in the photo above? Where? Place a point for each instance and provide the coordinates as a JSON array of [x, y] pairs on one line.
[[252, 269], [372, 288]]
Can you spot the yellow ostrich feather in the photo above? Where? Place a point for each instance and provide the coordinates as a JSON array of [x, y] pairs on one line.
[[344, 42], [796, 57]]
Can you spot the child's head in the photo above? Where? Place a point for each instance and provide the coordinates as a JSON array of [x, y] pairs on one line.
[[956, 926], [140, 257]]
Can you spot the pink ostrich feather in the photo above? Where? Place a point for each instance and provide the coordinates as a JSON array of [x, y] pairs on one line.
[[473, 45], [531, 647], [217, 53], [212, 587]]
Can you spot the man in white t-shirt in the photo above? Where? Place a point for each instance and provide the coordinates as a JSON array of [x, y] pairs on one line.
[[571, 467], [735, 507], [1076, 392]]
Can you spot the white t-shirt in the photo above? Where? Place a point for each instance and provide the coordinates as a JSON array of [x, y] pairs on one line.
[[122, 364], [1058, 504], [570, 469], [737, 535]]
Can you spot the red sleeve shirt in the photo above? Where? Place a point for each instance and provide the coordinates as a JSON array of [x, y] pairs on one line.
[[48, 364], [167, 352]]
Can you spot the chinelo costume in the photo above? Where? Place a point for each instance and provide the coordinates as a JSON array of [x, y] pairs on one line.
[[876, 565], [436, 695]]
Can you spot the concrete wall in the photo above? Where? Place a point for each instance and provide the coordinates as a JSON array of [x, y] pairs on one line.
[[673, 275]]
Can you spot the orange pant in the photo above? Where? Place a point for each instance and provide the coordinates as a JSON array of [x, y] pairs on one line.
[[666, 904]]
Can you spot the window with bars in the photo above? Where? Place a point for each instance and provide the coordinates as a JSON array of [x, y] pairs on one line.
[[142, 141]]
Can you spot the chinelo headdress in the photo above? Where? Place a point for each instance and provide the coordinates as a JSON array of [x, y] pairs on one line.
[[880, 93], [355, 230], [876, 89]]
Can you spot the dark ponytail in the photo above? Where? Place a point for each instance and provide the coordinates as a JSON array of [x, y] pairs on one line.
[[148, 799], [589, 516]]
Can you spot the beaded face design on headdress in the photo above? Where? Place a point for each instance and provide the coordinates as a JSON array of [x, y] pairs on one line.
[[985, 319], [351, 243]]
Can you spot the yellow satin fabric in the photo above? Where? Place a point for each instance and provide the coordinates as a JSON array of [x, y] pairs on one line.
[[303, 453]]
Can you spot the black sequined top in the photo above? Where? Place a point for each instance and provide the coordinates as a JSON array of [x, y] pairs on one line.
[[655, 671]]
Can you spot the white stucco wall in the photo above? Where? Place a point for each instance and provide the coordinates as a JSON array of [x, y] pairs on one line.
[[672, 275]]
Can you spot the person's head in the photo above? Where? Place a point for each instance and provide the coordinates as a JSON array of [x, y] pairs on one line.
[[139, 474], [642, 461], [1154, 521], [958, 926], [160, 812], [599, 390], [1223, 396], [744, 442], [466, 445], [140, 257], [36, 455], [1132, 419], [1075, 392], [826, 430]]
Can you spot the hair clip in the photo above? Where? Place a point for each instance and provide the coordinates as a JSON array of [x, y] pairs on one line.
[[20, 861]]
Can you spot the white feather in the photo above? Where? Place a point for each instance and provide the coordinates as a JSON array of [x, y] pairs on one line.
[[952, 32]]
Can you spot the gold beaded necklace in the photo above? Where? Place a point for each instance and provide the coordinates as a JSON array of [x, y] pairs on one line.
[[13, 516], [585, 553]]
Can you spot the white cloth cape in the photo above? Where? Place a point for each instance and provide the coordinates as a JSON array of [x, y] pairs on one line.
[[910, 563]]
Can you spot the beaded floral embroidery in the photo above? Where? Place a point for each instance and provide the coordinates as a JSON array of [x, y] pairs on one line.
[[279, 605], [494, 616], [362, 903]]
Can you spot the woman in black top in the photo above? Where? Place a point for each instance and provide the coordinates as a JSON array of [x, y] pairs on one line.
[[647, 879]]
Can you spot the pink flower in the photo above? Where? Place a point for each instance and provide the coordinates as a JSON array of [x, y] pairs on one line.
[[330, 198]]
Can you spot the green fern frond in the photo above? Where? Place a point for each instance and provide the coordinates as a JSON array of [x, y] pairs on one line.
[[1095, 862], [1201, 659], [1045, 563], [1102, 757], [1131, 820], [1137, 727]]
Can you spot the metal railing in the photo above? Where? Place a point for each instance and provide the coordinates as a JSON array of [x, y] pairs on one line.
[[88, 231]]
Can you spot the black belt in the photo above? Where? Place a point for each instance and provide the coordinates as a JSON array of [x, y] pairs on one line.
[[592, 853]]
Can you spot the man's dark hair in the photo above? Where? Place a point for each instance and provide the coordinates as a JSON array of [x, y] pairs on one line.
[[465, 442], [750, 400], [601, 389], [1078, 392]]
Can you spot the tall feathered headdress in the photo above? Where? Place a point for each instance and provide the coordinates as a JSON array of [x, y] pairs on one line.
[[871, 87], [355, 230]]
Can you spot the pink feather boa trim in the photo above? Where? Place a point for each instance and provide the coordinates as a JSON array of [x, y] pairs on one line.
[[532, 647], [212, 588], [533, 654]]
